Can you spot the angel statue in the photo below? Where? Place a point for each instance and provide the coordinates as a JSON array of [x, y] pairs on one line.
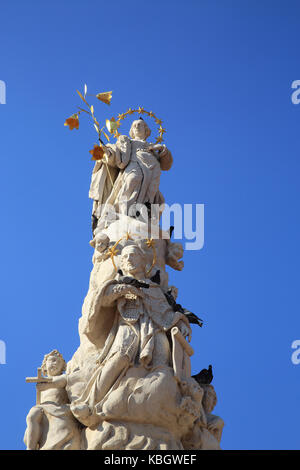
[[50, 423], [130, 176]]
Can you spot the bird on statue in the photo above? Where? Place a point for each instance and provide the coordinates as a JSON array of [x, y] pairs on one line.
[[192, 317], [131, 281], [205, 376], [156, 277]]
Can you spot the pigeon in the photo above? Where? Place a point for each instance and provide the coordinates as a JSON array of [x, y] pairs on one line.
[[192, 317], [156, 277], [94, 223], [131, 281], [205, 376]]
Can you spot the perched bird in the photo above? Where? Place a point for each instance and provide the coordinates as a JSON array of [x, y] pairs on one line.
[[156, 277], [131, 281], [192, 317], [205, 376]]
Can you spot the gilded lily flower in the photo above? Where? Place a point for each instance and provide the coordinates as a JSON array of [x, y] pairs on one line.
[[105, 97], [112, 125], [72, 122], [97, 152]]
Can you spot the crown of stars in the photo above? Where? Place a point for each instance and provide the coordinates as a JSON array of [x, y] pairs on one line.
[[140, 110]]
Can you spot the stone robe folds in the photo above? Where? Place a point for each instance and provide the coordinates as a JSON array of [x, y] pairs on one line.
[[136, 324], [135, 173], [61, 431]]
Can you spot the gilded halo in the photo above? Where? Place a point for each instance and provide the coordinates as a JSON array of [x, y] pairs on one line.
[[114, 124]]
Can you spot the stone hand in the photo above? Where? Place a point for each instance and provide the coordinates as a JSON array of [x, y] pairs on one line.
[[125, 289], [132, 290], [185, 330]]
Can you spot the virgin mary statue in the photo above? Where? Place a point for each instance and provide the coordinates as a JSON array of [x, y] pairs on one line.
[[131, 176]]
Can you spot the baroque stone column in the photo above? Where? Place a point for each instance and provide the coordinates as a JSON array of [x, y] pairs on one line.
[[128, 385]]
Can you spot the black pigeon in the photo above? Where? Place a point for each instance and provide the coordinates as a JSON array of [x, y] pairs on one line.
[[156, 277], [94, 223], [131, 281], [205, 376], [192, 318]]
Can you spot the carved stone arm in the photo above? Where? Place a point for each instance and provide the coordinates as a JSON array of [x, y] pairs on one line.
[[59, 381], [114, 292]]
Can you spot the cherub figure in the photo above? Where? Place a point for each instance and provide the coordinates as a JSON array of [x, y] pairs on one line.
[[50, 424], [215, 424], [207, 430]]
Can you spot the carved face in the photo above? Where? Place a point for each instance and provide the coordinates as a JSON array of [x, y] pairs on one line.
[[139, 130], [198, 393], [209, 399], [131, 261], [54, 365]]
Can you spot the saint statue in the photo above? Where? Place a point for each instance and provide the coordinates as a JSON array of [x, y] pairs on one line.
[[131, 176], [138, 336], [128, 386]]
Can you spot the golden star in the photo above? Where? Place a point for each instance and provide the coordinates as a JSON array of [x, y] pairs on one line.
[[112, 251], [150, 243], [128, 236], [141, 110]]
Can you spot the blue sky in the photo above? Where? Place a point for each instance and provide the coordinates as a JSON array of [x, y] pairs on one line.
[[219, 74]]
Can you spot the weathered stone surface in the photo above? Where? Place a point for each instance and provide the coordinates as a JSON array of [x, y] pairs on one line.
[[129, 384]]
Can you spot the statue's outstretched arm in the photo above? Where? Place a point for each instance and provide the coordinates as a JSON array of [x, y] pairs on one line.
[[114, 292]]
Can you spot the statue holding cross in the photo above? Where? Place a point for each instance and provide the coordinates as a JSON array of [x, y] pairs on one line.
[[52, 409], [38, 380]]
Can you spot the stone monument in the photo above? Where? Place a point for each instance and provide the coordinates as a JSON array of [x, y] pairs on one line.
[[128, 386]]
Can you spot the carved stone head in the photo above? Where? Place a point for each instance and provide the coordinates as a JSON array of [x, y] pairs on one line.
[[139, 130], [132, 261], [53, 364], [209, 398]]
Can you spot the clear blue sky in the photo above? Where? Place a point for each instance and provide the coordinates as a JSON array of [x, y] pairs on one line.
[[219, 74]]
